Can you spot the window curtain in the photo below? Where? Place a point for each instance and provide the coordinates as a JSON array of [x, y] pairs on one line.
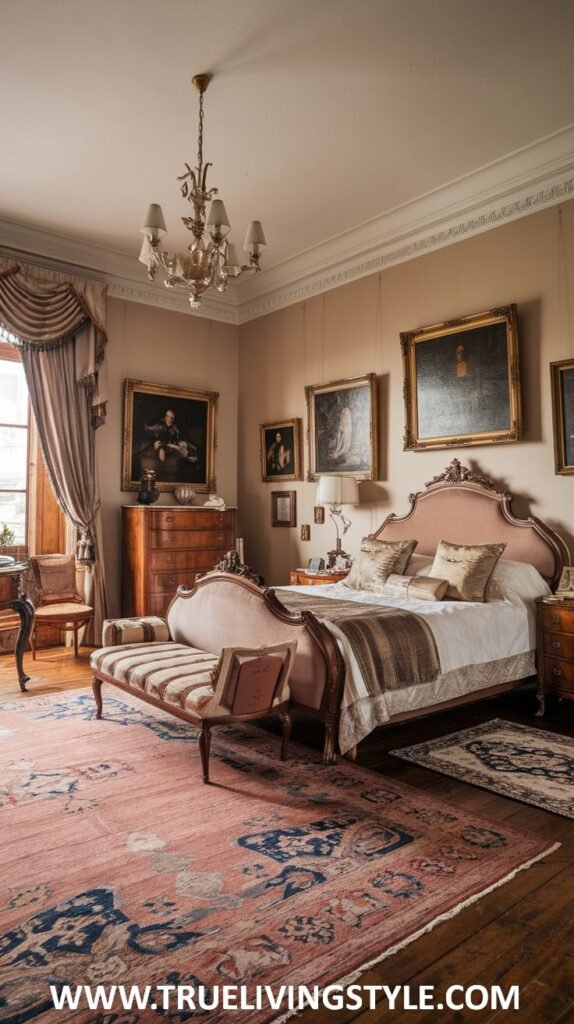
[[58, 322]]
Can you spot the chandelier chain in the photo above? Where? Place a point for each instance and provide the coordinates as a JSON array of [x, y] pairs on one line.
[[200, 138]]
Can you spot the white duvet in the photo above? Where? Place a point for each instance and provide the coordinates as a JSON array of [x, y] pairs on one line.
[[479, 645]]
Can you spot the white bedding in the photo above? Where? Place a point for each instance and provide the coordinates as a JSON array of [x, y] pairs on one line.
[[479, 645]]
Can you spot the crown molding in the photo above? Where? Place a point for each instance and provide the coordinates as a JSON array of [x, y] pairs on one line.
[[122, 273], [530, 179]]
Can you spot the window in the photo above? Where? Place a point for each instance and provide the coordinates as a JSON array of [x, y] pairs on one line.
[[14, 444]]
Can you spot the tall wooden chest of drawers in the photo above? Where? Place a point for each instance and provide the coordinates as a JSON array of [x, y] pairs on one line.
[[164, 548], [555, 650]]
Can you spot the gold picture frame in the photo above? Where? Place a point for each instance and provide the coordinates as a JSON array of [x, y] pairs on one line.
[[171, 430], [562, 380], [461, 381], [342, 428], [280, 446]]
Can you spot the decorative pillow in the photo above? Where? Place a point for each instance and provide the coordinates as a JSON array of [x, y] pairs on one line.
[[419, 565], [151, 629], [422, 588], [376, 561], [467, 568]]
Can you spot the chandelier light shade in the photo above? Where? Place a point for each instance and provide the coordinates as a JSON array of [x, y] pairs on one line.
[[209, 260]]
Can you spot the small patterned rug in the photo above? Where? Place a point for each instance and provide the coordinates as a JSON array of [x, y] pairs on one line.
[[118, 866], [516, 761]]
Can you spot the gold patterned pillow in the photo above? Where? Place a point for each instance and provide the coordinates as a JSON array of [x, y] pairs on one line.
[[376, 561], [467, 568], [422, 588]]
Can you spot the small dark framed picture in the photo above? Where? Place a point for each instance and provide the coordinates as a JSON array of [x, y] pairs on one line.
[[563, 414], [319, 514], [305, 531], [281, 450], [283, 508]]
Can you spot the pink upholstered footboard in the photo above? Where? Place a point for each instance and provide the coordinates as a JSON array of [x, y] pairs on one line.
[[222, 610]]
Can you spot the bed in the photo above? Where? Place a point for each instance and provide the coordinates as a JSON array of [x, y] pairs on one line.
[[484, 648]]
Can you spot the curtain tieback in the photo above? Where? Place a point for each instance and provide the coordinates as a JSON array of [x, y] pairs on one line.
[[86, 546]]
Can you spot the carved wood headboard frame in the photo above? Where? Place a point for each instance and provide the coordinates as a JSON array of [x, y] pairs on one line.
[[464, 508]]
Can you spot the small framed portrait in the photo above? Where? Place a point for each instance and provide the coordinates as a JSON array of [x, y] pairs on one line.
[[563, 413], [566, 586], [172, 431], [342, 428], [461, 381], [305, 531], [319, 514], [281, 450], [283, 508]]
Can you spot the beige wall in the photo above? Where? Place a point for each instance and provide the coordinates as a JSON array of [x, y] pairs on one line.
[[355, 329], [164, 347]]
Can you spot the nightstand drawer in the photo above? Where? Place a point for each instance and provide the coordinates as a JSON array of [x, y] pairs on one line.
[[559, 674], [561, 619], [559, 645]]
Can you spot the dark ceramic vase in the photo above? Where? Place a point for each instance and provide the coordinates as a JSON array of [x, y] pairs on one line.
[[149, 493]]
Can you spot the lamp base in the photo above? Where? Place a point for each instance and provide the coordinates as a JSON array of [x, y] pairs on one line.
[[338, 559]]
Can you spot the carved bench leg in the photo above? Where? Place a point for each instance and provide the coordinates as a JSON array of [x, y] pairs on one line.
[[286, 722], [351, 754], [541, 704], [97, 691], [204, 747]]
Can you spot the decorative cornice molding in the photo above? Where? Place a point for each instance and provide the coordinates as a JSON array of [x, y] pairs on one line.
[[534, 178]]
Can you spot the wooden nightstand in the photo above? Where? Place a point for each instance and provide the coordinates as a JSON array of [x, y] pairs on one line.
[[300, 578], [555, 655]]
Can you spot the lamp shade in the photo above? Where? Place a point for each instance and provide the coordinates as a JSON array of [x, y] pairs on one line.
[[255, 238], [217, 219], [154, 224], [337, 490]]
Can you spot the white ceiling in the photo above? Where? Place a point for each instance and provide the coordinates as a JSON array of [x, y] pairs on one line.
[[322, 114]]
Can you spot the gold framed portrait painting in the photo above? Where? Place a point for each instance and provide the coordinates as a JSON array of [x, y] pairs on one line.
[[562, 375], [342, 428], [170, 430], [281, 450], [461, 381]]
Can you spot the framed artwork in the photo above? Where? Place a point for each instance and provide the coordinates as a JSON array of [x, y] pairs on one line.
[[172, 431], [461, 381], [319, 514], [283, 508], [563, 413], [281, 450], [305, 531], [566, 585], [342, 428]]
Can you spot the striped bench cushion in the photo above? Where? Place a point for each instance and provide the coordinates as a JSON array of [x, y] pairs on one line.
[[174, 673]]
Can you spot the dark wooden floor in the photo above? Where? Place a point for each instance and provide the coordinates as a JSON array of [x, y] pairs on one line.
[[521, 934]]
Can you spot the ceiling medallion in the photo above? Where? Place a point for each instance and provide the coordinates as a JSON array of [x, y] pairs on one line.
[[209, 260]]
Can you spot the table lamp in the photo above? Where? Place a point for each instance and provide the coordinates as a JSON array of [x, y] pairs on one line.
[[335, 491]]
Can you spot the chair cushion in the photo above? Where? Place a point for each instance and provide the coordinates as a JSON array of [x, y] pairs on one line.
[[67, 611], [167, 671], [55, 577]]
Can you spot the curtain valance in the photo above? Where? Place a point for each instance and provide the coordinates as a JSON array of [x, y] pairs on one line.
[[43, 309]]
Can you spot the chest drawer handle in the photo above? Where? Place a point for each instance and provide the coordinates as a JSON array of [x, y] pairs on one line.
[[556, 671], [170, 560], [555, 620], [556, 645], [169, 519], [169, 538]]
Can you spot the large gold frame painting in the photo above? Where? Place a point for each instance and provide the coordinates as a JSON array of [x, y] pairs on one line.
[[562, 375], [462, 381], [342, 433], [171, 431]]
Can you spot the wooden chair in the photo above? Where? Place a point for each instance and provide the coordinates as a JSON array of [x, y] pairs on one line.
[[55, 597]]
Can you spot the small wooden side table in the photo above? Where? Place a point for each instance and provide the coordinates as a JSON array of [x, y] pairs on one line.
[[555, 649], [12, 596], [302, 578]]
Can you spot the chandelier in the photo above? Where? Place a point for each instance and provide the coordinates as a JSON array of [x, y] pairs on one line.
[[209, 260]]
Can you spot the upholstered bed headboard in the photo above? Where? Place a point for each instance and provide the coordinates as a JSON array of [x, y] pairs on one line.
[[464, 508]]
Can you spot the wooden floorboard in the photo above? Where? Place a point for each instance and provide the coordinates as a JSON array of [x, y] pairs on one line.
[[520, 934]]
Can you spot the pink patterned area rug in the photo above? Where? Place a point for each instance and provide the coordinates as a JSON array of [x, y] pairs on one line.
[[118, 866]]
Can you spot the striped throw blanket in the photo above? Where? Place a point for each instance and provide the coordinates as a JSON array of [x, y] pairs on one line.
[[394, 648]]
